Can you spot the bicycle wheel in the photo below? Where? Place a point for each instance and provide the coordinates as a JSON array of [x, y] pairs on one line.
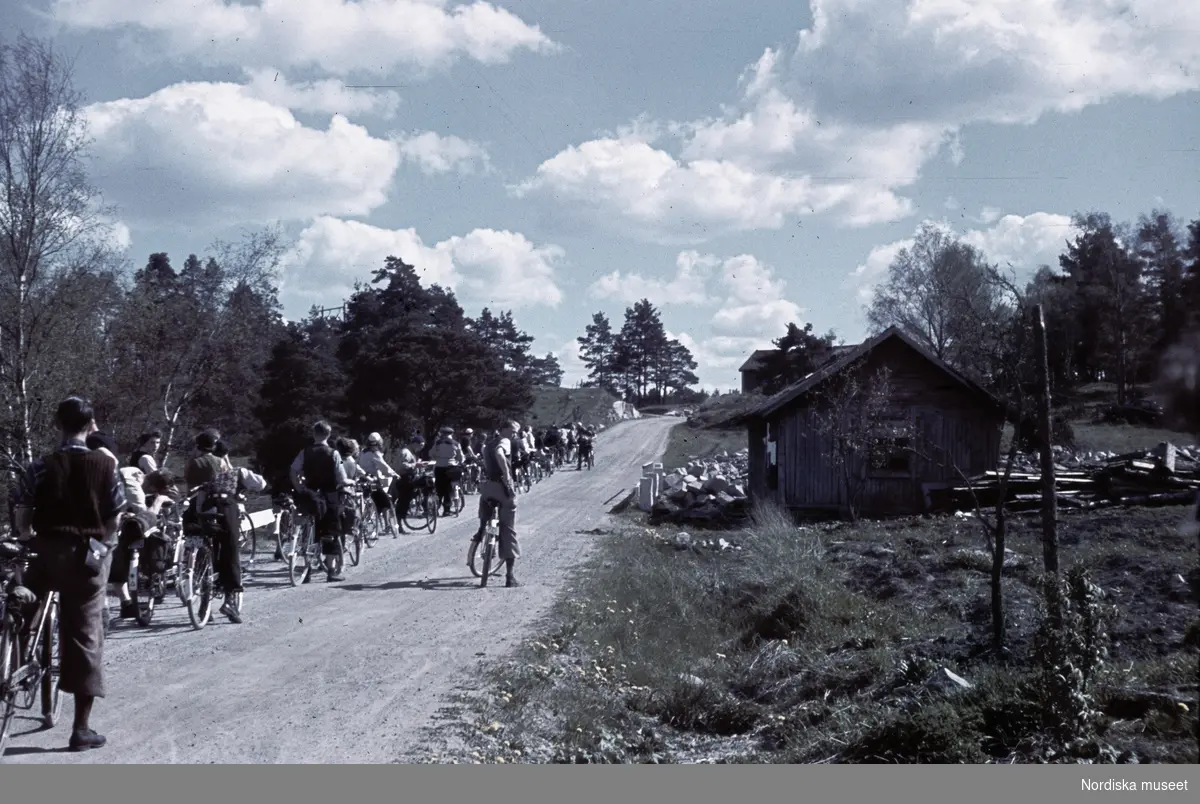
[[199, 606], [354, 545], [298, 557], [489, 549], [250, 534], [9, 662], [51, 660], [417, 515], [316, 555], [433, 509], [372, 526], [458, 500], [144, 600]]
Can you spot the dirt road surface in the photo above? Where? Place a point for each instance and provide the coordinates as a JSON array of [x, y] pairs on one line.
[[346, 672]]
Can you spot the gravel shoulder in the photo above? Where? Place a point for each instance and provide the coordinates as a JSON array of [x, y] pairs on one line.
[[349, 672]]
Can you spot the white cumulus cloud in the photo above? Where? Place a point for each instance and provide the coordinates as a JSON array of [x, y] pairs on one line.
[[687, 286], [484, 266], [845, 121], [746, 298], [1017, 244], [435, 153], [328, 96], [206, 153], [337, 36]]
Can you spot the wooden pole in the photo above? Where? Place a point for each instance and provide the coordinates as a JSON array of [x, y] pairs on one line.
[[1049, 497]]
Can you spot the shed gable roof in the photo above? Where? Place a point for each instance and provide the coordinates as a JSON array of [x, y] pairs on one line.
[[850, 356], [755, 360]]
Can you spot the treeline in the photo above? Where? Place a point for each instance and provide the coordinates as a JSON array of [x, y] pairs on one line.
[[402, 360], [638, 362], [1121, 295]]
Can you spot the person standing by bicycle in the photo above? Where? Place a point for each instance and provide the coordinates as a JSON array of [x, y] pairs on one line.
[[372, 464], [208, 475], [67, 499], [347, 448], [583, 445], [144, 511], [447, 458], [318, 476], [406, 483], [499, 489]]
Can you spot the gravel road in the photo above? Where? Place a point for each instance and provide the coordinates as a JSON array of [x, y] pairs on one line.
[[347, 672]]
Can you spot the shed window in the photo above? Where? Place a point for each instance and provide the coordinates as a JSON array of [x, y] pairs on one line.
[[891, 448]]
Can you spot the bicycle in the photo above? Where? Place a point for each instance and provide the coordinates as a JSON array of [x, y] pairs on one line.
[[384, 518], [366, 529], [586, 455], [354, 546], [485, 548], [195, 576], [306, 554], [149, 570], [470, 479], [458, 500], [247, 533], [284, 508], [422, 513], [24, 672]]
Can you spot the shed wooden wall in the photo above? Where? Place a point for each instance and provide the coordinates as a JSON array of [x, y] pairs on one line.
[[955, 431]]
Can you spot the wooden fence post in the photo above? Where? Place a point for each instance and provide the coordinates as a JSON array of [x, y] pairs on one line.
[[1049, 490]]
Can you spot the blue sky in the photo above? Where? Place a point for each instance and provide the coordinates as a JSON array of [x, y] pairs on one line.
[[741, 165]]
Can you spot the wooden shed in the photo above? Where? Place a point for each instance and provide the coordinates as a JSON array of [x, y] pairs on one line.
[[751, 370], [933, 426]]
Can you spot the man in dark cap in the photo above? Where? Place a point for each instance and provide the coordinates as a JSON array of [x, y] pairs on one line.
[[69, 499]]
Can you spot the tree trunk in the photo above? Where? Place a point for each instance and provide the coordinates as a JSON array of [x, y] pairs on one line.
[[169, 436]]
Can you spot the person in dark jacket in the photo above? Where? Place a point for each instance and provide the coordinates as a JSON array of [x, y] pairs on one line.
[[67, 500], [205, 473], [318, 469]]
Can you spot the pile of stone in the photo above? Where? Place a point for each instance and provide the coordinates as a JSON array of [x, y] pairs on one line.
[[711, 491]]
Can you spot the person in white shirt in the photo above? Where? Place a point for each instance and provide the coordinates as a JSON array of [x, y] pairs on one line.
[[144, 511], [371, 464], [447, 458], [143, 456]]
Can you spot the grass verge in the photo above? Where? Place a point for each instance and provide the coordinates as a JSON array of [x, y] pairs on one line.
[[832, 644], [685, 444]]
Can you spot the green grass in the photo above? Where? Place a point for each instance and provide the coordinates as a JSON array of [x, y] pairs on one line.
[[1118, 438], [686, 444], [817, 645], [717, 411], [1123, 438], [561, 405]]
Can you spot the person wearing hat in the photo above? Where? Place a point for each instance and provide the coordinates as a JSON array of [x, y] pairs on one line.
[[447, 458], [65, 500], [371, 463], [467, 445]]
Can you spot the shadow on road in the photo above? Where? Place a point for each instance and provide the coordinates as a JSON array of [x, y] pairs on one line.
[[437, 584], [16, 751]]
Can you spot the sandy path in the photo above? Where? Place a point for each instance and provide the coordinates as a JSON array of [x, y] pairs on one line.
[[349, 672]]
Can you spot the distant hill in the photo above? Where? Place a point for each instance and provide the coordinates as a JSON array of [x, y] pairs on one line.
[[561, 405]]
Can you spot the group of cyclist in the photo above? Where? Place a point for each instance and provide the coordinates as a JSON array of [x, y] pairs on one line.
[[326, 474], [330, 479]]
